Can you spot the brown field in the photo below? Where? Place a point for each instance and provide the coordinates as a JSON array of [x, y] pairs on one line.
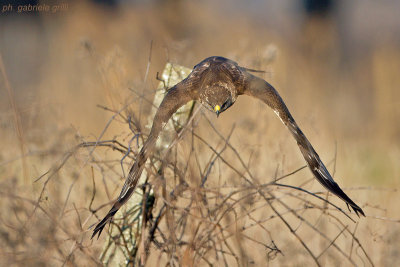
[[75, 77]]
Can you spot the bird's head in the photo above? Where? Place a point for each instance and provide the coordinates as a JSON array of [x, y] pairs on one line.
[[218, 99]]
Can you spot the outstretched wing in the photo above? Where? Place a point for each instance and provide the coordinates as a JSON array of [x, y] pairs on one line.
[[176, 97], [262, 90]]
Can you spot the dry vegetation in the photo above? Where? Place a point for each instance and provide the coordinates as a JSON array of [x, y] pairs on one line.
[[230, 191]]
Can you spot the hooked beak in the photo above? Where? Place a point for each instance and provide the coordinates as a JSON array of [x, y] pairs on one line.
[[217, 110]]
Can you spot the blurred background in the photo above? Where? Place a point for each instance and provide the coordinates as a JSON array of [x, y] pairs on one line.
[[335, 63]]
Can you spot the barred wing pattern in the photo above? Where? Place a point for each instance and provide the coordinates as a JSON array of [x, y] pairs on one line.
[[262, 90], [176, 97]]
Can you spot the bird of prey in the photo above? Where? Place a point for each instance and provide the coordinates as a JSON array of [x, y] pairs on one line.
[[217, 82]]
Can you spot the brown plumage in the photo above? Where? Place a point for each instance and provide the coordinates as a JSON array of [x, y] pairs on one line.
[[217, 82]]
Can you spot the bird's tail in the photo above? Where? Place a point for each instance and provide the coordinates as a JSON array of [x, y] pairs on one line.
[[318, 168]]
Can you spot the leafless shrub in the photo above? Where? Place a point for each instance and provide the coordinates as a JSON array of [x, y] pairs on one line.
[[199, 204]]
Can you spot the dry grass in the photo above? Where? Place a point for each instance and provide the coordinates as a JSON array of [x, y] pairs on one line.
[[231, 191]]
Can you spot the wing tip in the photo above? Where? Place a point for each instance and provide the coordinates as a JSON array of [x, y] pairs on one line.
[[358, 211], [98, 229], [100, 226]]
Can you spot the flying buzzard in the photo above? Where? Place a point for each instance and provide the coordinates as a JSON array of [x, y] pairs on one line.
[[217, 82]]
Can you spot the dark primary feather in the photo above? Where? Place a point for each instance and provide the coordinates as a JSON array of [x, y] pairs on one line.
[[176, 97], [318, 168], [262, 90]]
